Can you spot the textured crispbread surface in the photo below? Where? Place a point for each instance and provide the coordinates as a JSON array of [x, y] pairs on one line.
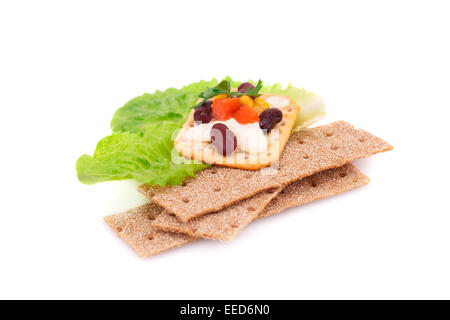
[[223, 225], [329, 146], [207, 153], [307, 152], [136, 222], [227, 223], [134, 226], [210, 191], [318, 186]]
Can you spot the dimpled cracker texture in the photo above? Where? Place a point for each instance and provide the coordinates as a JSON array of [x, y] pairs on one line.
[[223, 225], [134, 226], [307, 152], [137, 223], [318, 186], [210, 191], [227, 223]]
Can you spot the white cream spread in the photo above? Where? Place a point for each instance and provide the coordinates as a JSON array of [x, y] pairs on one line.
[[250, 138], [277, 102]]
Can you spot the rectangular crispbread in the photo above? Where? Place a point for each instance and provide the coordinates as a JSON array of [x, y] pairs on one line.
[[307, 152], [134, 226], [318, 186], [223, 225], [137, 222], [210, 191], [227, 223]]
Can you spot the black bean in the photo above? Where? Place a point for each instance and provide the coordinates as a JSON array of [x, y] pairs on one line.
[[265, 124], [272, 113], [269, 118], [200, 115]]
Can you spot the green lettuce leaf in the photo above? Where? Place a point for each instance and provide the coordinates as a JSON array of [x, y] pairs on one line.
[[141, 146], [146, 157], [169, 105], [312, 107]]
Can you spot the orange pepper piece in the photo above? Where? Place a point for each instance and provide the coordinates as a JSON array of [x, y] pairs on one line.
[[223, 109], [246, 115]]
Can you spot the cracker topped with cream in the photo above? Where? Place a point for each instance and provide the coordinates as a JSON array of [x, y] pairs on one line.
[[242, 129]]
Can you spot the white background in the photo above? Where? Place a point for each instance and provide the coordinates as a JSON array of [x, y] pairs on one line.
[[65, 67]]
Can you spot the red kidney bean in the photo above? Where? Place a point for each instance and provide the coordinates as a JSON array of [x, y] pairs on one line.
[[207, 106], [202, 117], [203, 113], [223, 139], [245, 86]]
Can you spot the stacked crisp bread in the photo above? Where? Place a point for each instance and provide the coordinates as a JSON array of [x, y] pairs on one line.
[[220, 202]]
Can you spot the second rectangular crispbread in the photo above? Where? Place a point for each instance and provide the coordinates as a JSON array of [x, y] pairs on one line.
[[135, 225], [223, 225], [307, 152], [226, 224], [318, 186]]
